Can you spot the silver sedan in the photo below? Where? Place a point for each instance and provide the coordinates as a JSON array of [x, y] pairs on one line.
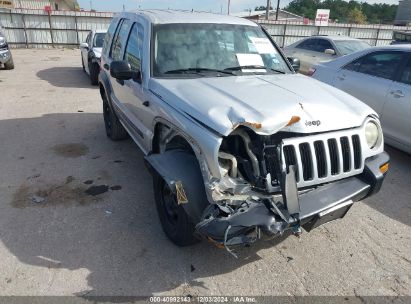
[[380, 77], [316, 49]]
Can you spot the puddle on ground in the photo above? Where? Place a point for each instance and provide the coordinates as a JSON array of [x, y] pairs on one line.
[[72, 150]]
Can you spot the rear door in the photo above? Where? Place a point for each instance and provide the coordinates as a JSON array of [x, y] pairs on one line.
[[133, 94], [396, 114], [369, 77], [116, 53], [306, 51]]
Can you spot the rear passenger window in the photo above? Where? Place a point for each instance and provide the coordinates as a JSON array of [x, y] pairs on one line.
[[120, 40], [134, 50], [308, 44], [406, 74], [381, 64]]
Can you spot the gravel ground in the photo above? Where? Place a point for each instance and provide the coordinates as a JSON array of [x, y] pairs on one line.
[[56, 239]]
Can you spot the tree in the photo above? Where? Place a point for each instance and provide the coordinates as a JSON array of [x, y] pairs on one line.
[[356, 16]]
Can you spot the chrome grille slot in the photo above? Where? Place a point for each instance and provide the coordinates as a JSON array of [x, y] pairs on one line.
[[346, 153], [307, 162], [333, 148], [357, 151], [322, 158]]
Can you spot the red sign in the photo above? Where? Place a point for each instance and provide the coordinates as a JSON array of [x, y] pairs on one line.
[[47, 9]]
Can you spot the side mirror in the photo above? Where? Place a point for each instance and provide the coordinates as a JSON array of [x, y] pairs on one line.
[[84, 45], [121, 70], [329, 52], [295, 63]]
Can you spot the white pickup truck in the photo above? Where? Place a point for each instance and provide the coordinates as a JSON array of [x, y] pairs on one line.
[[238, 143]]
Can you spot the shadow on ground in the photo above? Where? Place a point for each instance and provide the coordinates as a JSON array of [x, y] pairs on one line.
[[395, 205], [116, 236], [57, 76]]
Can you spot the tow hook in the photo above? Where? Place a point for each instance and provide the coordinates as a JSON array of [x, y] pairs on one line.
[[296, 230]]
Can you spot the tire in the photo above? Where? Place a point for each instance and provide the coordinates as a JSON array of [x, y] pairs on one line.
[[114, 129], [174, 220], [82, 63], [9, 65], [94, 69]]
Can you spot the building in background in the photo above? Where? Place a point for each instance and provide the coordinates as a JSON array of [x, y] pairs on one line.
[[256, 15], [56, 5], [403, 16]]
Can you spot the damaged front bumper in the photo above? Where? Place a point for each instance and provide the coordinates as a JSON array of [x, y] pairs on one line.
[[308, 210], [268, 214]]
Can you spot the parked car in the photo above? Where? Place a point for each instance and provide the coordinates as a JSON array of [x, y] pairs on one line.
[[381, 77], [91, 53], [401, 37], [238, 143], [313, 50], [6, 58]]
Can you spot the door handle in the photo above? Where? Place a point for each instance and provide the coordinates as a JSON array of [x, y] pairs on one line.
[[342, 78], [106, 66], [397, 94], [120, 81]]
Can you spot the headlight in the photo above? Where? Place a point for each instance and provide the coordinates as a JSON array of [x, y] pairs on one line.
[[2, 40], [372, 134]]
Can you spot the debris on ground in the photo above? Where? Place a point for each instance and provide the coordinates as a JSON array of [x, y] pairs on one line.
[[37, 199]]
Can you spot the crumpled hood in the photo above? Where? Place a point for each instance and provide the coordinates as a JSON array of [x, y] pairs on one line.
[[265, 103]]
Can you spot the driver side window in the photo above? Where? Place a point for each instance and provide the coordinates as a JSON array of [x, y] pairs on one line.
[[134, 49]]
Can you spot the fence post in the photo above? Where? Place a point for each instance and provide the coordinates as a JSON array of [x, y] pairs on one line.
[[378, 34], [51, 29], [285, 32], [23, 19], [77, 33]]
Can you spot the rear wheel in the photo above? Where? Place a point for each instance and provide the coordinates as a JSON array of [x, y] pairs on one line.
[[9, 65], [114, 129], [94, 69], [174, 220]]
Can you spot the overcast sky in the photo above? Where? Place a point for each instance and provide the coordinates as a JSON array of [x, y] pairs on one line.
[[203, 5]]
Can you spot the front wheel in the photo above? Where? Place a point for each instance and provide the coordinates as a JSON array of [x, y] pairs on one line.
[[9, 65], [94, 69], [174, 220]]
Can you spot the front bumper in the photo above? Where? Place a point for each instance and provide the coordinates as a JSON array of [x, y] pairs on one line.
[[314, 208], [5, 55]]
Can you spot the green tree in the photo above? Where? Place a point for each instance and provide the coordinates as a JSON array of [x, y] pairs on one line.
[[356, 16]]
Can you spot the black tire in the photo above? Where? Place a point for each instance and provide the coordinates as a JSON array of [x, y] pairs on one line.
[[82, 63], [94, 69], [114, 129], [174, 220], [9, 65]]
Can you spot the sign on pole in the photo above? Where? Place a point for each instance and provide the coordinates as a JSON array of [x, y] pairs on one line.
[[322, 17], [6, 4]]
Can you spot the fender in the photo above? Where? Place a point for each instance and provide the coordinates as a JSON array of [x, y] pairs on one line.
[[179, 166]]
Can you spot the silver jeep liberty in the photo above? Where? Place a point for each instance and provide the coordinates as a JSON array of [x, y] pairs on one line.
[[238, 143]]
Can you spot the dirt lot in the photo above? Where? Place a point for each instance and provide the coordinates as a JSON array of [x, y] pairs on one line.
[[57, 237]]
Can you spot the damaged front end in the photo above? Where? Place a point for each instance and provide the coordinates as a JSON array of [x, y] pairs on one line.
[[272, 183]]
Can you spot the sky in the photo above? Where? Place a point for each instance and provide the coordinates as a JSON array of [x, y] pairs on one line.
[[200, 5]]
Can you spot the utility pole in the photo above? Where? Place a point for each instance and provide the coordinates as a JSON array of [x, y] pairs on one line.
[[91, 5], [228, 10], [267, 10], [277, 11]]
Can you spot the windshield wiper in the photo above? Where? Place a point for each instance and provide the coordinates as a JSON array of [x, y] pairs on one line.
[[197, 71], [253, 67]]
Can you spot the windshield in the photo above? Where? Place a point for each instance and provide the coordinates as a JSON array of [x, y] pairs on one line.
[[99, 40], [198, 50], [346, 47]]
